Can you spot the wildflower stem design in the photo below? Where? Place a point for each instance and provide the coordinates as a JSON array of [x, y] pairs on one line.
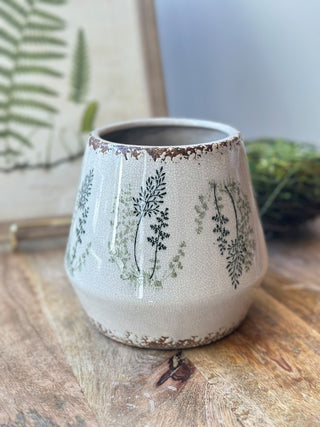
[[236, 249], [148, 205], [160, 236], [133, 213], [221, 221], [240, 249], [234, 208], [75, 261]]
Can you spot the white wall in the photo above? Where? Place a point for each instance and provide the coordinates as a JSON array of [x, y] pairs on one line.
[[254, 64]]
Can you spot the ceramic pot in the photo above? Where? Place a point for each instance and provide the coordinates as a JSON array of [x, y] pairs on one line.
[[166, 246]]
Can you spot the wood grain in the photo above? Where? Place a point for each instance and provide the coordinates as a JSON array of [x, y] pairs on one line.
[[57, 368], [119, 382], [269, 369], [294, 278], [37, 385]]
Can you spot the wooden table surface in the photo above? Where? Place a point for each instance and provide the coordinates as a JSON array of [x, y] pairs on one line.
[[57, 370]]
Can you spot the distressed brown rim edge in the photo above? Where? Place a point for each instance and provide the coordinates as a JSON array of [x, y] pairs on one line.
[[162, 343], [233, 138]]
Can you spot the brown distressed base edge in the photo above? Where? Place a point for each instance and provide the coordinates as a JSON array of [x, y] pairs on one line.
[[166, 343]]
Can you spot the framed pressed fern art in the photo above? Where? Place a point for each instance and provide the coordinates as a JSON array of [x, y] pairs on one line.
[[67, 66]]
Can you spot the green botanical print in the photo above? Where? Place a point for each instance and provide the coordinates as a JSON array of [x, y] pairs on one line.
[[175, 264], [76, 255], [80, 70], [201, 211], [32, 46], [148, 204], [25, 24], [220, 222], [130, 214], [88, 118], [238, 250], [159, 236]]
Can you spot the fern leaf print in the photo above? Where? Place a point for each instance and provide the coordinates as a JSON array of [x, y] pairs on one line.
[[80, 70], [236, 243], [144, 210], [31, 37], [77, 251]]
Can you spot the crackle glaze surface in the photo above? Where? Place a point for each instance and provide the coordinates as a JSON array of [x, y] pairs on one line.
[[166, 241]]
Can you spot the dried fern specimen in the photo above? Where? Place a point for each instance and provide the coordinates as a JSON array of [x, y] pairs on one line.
[[28, 45], [80, 70]]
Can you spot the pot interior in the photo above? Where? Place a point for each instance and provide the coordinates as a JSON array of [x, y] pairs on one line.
[[165, 135]]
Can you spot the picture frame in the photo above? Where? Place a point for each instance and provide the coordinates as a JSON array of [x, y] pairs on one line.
[[73, 68]]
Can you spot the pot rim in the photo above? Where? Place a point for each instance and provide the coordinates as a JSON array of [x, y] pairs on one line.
[[232, 134]]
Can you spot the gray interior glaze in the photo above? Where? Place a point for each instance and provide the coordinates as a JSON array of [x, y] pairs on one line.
[[163, 135]]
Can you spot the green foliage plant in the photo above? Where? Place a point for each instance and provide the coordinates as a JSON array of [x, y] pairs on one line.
[[286, 180]]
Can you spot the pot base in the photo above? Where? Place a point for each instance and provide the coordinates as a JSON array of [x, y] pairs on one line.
[[165, 343]]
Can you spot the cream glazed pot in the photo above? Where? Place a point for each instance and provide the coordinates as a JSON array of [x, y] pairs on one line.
[[166, 246]]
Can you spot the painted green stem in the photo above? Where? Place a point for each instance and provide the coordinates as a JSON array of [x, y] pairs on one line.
[[234, 209], [155, 262], [215, 198], [135, 242]]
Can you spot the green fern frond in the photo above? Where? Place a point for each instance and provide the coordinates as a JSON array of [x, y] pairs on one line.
[[36, 26], [31, 103], [80, 70], [5, 35], [32, 88], [14, 5], [6, 52], [27, 24], [25, 120], [53, 1], [89, 117], [35, 69], [41, 56], [11, 19], [40, 39], [9, 152], [48, 16], [17, 136], [5, 72], [4, 89]]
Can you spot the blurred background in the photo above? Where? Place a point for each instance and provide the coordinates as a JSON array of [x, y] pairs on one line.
[[249, 63]]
